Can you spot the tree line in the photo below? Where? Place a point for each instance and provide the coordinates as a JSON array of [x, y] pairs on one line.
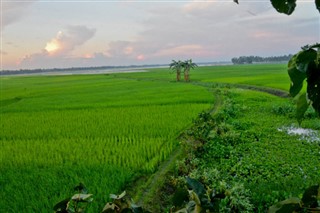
[[258, 59]]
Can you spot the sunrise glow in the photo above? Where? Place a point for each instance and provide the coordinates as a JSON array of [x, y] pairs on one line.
[[52, 46]]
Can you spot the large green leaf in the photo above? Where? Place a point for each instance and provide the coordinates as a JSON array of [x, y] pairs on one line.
[[184, 210], [298, 67], [109, 207], [296, 77], [196, 186], [126, 210], [118, 197], [81, 188], [317, 4], [290, 205], [311, 196], [62, 206], [302, 106], [192, 207], [137, 209], [82, 197], [304, 58], [313, 87], [284, 6], [200, 194]]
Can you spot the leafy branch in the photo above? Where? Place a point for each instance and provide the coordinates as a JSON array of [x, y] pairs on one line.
[[78, 203], [305, 65], [286, 6]]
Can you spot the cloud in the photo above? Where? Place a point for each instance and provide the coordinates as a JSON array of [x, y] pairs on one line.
[[120, 49], [3, 52], [201, 30], [196, 6], [64, 43], [58, 51], [187, 31], [217, 30], [13, 11], [125, 52], [184, 50]]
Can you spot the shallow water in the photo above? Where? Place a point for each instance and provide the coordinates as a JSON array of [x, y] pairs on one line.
[[309, 135], [86, 72]]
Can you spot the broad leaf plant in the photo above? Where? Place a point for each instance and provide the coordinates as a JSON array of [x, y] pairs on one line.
[[305, 65]]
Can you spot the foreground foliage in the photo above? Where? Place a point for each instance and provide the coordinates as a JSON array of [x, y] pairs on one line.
[[305, 65], [240, 145], [287, 6], [308, 203], [75, 204], [78, 203]]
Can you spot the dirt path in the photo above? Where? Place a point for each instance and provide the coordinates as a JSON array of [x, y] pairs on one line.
[[154, 182]]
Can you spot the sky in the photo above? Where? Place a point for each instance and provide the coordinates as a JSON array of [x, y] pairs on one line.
[[79, 33]]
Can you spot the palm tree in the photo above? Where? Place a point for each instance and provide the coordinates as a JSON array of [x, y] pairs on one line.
[[187, 65], [177, 66]]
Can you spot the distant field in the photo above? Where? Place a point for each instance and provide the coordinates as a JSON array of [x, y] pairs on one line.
[[273, 75], [103, 130], [266, 75]]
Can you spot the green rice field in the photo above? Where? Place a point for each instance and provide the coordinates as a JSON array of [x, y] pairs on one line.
[[103, 130]]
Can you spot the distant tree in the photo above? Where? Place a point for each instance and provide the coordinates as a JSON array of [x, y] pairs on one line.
[[234, 60], [188, 65], [258, 59], [177, 66]]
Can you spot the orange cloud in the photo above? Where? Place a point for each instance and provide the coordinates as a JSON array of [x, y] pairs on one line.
[[65, 42], [59, 48]]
